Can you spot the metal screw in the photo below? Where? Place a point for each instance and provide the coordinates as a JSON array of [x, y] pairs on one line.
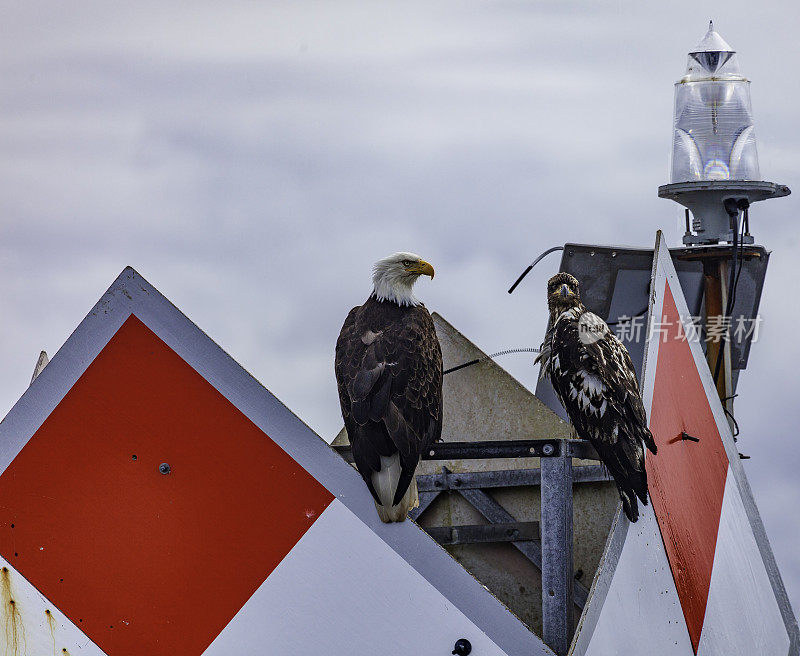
[[164, 468], [463, 647], [548, 449]]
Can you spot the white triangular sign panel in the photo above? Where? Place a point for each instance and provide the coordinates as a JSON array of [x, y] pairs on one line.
[[696, 574], [156, 499]]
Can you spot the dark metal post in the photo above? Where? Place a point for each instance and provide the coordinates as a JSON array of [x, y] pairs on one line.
[[556, 528]]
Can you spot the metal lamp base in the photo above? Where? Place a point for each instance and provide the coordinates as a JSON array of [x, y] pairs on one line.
[[705, 199]]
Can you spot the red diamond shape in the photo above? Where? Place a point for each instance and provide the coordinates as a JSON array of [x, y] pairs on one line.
[[686, 479], [145, 562]]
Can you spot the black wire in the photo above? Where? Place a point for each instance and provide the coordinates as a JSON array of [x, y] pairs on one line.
[[460, 366], [732, 282], [732, 285], [730, 414], [741, 262], [490, 357], [735, 423], [533, 264], [464, 365]]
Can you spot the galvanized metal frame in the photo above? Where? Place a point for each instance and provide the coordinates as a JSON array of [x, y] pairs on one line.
[[663, 269], [477, 533], [536, 448], [447, 480], [132, 294], [557, 568], [552, 554], [531, 549]]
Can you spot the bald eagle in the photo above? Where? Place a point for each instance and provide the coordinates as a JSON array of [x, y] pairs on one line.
[[593, 377], [389, 373]]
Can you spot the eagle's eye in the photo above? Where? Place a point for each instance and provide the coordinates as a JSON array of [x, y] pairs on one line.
[[406, 263]]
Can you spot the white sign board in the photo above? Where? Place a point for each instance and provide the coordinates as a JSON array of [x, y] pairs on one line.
[[696, 574], [156, 499]]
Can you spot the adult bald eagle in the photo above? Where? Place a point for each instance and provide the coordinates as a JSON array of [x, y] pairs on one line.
[[593, 377], [389, 372]]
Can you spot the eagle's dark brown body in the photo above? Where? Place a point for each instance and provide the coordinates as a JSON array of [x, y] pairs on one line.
[[389, 374]]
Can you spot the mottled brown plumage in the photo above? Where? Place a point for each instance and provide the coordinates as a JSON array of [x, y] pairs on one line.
[[593, 377]]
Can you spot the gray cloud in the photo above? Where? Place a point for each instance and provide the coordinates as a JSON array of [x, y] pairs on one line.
[[253, 160]]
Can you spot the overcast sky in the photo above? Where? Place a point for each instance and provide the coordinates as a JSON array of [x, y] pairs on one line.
[[253, 159]]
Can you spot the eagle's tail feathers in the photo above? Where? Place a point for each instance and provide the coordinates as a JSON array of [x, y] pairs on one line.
[[641, 491], [629, 504], [629, 490], [385, 484]]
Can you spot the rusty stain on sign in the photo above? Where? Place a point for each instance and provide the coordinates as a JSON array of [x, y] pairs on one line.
[[51, 624], [12, 621]]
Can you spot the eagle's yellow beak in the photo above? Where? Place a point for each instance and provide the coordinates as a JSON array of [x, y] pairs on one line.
[[421, 268]]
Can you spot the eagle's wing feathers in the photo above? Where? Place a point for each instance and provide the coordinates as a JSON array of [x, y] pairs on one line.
[[625, 387], [596, 383], [545, 351], [612, 375], [389, 370]]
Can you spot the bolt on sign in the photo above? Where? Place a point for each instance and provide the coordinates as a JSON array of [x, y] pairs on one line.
[[156, 499], [696, 574]]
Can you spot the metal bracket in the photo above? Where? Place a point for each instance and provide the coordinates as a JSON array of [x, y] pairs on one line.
[[475, 533], [545, 448], [558, 578], [447, 480], [531, 549], [552, 555]]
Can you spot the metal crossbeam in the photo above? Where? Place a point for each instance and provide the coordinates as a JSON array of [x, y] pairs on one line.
[[447, 480], [546, 448], [531, 549], [474, 533], [425, 500], [552, 555]]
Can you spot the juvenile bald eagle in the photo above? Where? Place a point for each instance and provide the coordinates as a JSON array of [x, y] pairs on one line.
[[389, 372], [593, 377]]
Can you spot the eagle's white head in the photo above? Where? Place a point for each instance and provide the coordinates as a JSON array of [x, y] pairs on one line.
[[394, 277]]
